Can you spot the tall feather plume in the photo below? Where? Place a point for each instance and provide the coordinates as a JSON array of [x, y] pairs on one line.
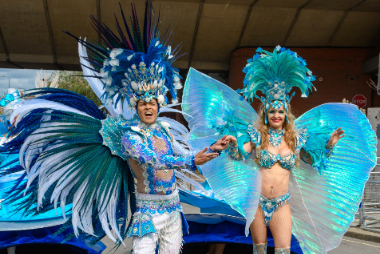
[[137, 40], [137, 28], [115, 52], [111, 38], [156, 32], [127, 44], [128, 31], [145, 31], [150, 13]]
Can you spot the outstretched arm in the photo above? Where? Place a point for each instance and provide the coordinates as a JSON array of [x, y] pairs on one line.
[[135, 147], [200, 158]]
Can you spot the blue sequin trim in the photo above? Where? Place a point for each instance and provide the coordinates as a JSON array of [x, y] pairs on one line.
[[141, 225], [142, 219], [158, 206]]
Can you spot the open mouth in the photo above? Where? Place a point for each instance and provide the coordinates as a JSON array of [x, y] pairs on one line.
[[148, 114]]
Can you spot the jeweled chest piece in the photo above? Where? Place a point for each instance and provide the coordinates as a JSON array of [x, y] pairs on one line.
[[275, 136]]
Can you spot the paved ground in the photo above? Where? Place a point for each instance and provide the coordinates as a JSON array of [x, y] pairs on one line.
[[348, 245], [355, 246]]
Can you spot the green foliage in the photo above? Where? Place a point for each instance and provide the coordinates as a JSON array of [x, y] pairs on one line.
[[74, 81]]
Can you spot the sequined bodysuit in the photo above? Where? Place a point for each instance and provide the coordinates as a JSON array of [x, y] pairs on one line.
[[153, 155]]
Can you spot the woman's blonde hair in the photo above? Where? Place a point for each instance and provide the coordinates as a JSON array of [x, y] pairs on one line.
[[289, 135]]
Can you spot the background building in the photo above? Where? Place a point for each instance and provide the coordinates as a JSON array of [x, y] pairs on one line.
[[337, 38]]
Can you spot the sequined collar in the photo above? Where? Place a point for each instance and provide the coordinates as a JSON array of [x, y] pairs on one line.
[[146, 126], [275, 136], [149, 128]]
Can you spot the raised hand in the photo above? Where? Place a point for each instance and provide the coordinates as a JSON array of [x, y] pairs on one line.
[[336, 136], [221, 144], [202, 157]]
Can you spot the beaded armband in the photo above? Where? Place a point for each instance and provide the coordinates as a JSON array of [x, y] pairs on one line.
[[306, 157], [329, 149], [193, 167], [234, 152], [301, 139]]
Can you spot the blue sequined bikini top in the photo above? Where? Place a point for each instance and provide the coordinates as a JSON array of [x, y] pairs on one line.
[[268, 159]]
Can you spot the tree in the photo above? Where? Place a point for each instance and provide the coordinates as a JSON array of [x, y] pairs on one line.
[[74, 81]]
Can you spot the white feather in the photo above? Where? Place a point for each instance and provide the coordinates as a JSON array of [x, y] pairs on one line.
[[96, 84], [32, 104]]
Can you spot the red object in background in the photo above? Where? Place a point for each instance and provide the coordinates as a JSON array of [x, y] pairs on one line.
[[359, 100]]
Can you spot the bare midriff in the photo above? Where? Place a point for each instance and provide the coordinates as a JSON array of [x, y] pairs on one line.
[[275, 181]]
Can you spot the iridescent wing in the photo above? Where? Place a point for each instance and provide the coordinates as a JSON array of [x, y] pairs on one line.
[[324, 205], [209, 103]]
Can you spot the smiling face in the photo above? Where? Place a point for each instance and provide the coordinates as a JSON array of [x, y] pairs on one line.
[[147, 111], [276, 117]]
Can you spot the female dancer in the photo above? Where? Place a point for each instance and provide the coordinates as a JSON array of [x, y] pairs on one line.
[[274, 141], [300, 180]]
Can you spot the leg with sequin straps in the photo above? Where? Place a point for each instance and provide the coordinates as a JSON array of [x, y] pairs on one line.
[[259, 233]]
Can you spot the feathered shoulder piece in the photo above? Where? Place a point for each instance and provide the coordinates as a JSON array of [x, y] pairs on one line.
[[9, 101], [136, 64], [275, 74], [12, 96]]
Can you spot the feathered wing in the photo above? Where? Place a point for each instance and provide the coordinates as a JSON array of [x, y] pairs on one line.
[[211, 104], [62, 141], [324, 205]]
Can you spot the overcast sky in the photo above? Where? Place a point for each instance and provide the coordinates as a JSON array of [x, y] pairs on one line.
[[20, 78]]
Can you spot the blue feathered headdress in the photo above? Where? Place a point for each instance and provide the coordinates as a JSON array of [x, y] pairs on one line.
[[275, 74], [137, 68]]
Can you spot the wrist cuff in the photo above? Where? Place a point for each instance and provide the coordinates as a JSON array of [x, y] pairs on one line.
[[193, 167], [209, 150]]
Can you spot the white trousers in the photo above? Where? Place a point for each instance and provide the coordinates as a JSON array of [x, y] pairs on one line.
[[168, 236]]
